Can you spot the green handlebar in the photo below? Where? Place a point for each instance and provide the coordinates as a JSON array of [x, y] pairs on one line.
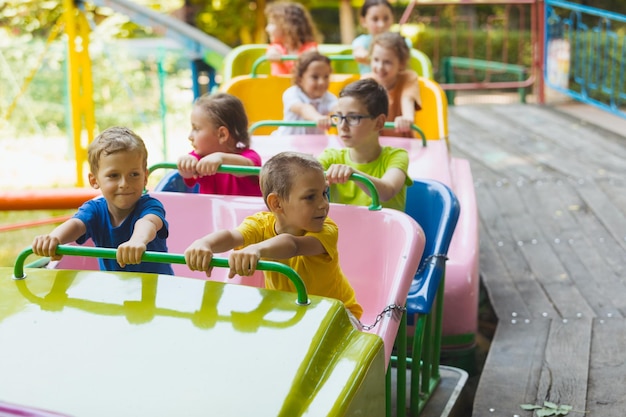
[[263, 58], [248, 170], [163, 257], [306, 123], [228, 169]]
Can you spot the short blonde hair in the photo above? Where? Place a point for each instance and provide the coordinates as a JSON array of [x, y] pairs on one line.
[[278, 172], [112, 140]]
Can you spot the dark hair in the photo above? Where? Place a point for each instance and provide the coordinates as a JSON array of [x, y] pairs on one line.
[[278, 173], [227, 110], [112, 140], [371, 3], [370, 93], [394, 42], [303, 62], [294, 20]]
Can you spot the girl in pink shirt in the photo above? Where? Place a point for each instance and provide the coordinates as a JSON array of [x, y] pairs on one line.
[[291, 31], [219, 136]]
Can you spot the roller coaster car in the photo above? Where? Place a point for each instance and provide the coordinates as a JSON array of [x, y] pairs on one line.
[[240, 61], [432, 161], [162, 345]]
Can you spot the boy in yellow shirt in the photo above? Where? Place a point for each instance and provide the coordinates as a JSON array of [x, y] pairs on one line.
[[296, 231]]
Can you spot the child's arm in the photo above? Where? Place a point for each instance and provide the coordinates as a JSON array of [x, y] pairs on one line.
[[199, 254], [244, 262], [410, 102], [309, 112], [408, 106], [359, 51], [388, 186], [69, 231], [145, 230]]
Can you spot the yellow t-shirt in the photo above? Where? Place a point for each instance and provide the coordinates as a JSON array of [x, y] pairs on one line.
[[321, 274]]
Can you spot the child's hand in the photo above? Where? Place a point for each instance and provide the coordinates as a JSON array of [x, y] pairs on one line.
[[198, 257], [130, 253], [187, 166], [209, 164], [361, 55], [324, 123], [46, 245], [243, 262], [338, 174], [403, 124], [273, 54]]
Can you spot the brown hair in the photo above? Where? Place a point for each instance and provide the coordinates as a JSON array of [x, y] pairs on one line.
[[112, 140], [226, 110], [394, 42], [303, 62], [278, 172], [294, 20], [371, 3], [370, 93]]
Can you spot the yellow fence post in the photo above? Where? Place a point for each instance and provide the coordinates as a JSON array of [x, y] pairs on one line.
[[80, 85]]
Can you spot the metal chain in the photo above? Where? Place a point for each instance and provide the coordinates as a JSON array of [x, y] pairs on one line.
[[401, 309], [389, 309]]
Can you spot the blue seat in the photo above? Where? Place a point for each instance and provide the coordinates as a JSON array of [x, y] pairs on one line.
[[435, 207], [172, 181]]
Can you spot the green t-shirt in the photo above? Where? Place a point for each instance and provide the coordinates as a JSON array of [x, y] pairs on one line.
[[350, 192]]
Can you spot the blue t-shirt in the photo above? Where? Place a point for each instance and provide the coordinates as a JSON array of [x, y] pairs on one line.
[[95, 215]]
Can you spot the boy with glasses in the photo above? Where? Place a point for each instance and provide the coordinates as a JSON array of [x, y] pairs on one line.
[[360, 116]]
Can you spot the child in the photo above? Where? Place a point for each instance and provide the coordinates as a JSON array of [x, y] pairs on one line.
[[296, 230], [124, 217], [291, 31], [376, 17], [360, 116], [219, 135], [389, 60], [309, 98]]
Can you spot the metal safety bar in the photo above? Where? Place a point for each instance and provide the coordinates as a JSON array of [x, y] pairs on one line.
[[248, 170], [163, 257]]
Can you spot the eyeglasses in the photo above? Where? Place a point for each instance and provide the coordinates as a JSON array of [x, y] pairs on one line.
[[351, 119]]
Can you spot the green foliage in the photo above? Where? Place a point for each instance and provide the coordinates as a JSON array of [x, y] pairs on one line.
[[548, 409], [125, 87]]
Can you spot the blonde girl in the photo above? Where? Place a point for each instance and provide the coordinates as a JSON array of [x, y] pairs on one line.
[[219, 135], [309, 98], [389, 58], [291, 31]]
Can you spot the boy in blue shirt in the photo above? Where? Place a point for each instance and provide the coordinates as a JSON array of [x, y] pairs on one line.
[[124, 217]]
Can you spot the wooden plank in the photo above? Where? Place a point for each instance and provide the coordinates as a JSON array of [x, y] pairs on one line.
[[493, 214], [544, 264], [551, 203], [504, 297], [494, 147], [582, 142], [529, 139], [512, 368], [611, 216], [607, 369], [565, 371]]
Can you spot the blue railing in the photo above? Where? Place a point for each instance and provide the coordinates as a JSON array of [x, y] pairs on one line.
[[585, 54]]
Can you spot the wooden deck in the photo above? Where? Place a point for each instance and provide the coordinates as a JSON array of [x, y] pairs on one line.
[[551, 192]]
